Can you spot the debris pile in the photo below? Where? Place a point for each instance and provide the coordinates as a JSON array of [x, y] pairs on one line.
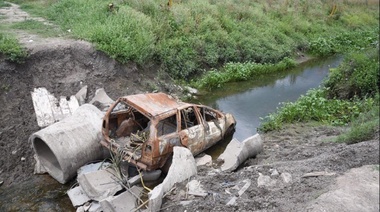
[[74, 131]]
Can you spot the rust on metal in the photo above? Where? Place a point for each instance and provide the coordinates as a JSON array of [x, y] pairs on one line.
[[144, 128]]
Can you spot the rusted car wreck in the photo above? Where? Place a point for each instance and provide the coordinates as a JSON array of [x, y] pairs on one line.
[[144, 128]]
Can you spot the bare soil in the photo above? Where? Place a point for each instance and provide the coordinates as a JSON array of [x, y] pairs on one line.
[[63, 66]]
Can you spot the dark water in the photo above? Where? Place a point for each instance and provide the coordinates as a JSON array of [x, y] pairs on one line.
[[250, 100]]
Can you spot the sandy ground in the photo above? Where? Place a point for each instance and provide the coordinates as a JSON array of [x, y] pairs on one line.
[[276, 179]]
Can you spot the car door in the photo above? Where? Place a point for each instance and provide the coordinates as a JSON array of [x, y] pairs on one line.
[[214, 125], [192, 129]]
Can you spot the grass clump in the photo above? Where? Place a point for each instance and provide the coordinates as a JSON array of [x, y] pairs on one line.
[[365, 127], [234, 72], [12, 49]]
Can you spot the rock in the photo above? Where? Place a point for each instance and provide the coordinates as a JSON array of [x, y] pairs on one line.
[[237, 152], [23, 159], [355, 190], [100, 184], [191, 90], [195, 188], [286, 177], [265, 181], [274, 173], [77, 196], [183, 167], [82, 95], [101, 99], [205, 160]]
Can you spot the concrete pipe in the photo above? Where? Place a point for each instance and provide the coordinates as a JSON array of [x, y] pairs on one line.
[[65, 146]]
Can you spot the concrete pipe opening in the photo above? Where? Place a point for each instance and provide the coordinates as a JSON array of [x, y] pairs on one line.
[[47, 157], [65, 146]]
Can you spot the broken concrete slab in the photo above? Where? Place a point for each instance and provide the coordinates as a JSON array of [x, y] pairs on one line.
[[100, 184], [126, 201], [183, 167], [93, 206], [237, 152], [205, 160], [93, 167], [48, 109], [101, 100], [286, 177], [77, 196], [81, 95]]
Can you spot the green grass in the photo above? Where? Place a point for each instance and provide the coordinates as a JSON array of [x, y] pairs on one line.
[[198, 35], [365, 127], [11, 48], [37, 27]]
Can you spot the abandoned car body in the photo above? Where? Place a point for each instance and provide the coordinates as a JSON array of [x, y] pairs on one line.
[[144, 128]]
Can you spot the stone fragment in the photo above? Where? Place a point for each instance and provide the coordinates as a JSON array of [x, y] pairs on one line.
[[265, 181], [195, 188], [101, 100], [286, 177], [81, 95], [205, 160]]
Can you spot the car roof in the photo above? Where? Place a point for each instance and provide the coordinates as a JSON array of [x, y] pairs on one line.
[[154, 104]]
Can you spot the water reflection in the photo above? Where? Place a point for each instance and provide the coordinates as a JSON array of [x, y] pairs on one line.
[[248, 101]]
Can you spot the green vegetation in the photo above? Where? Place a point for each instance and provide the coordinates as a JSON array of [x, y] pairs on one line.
[[197, 35], [234, 72], [11, 48], [350, 96], [37, 27]]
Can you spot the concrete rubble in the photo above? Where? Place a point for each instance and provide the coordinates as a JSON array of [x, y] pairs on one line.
[[126, 201], [237, 152], [77, 196], [49, 109], [195, 188], [100, 184], [205, 160], [245, 185], [183, 167], [101, 100]]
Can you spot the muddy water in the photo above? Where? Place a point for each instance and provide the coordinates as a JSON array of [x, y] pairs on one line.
[[250, 100]]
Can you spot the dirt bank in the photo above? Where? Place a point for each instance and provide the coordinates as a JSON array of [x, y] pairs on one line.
[[276, 174]]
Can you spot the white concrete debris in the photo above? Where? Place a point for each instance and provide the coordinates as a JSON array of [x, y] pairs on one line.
[[90, 207], [286, 177], [247, 183], [77, 196], [100, 184], [183, 167], [38, 167], [124, 202], [265, 181], [195, 188], [205, 160], [82, 95], [237, 152], [101, 99], [48, 109]]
